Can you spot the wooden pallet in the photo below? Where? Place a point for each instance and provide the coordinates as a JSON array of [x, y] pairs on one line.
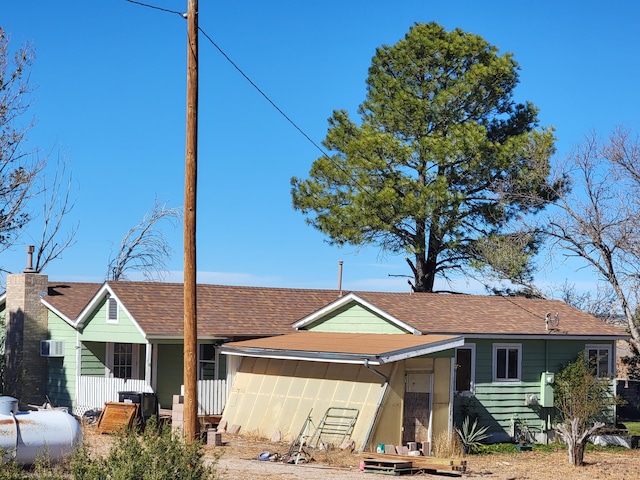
[[431, 464], [117, 417], [387, 466]]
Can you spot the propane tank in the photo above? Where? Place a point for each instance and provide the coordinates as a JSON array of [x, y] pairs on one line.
[[27, 436]]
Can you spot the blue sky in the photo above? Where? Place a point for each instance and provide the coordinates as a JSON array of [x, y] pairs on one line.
[[111, 98]]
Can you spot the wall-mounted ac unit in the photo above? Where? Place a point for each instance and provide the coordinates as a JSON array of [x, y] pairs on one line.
[[52, 348]]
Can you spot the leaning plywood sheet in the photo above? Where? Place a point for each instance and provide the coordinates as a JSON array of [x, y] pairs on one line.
[[117, 416]]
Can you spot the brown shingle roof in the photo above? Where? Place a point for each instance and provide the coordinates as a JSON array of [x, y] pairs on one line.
[[258, 311], [338, 342], [491, 315], [70, 298], [222, 310]]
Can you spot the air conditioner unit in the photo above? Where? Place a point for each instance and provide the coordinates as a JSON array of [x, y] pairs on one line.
[[52, 348]]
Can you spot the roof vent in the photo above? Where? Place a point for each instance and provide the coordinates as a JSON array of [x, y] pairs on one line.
[[552, 322]]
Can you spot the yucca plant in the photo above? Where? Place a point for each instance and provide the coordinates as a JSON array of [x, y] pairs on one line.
[[471, 436]]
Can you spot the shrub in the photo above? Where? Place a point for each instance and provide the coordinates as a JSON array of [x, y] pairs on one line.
[[154, 455]]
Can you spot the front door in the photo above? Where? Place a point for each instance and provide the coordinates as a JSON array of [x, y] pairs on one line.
[[417, 407]]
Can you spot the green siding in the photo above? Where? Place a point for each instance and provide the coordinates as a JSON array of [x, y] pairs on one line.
[[93, 361], [499, 404], [170, 368], [61, 372], [222, 367], [354, 318], [98, 330]]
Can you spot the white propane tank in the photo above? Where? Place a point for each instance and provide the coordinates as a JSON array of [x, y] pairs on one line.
[[27, 436]]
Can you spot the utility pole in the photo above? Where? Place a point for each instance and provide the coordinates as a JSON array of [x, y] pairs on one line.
[[191, 174]]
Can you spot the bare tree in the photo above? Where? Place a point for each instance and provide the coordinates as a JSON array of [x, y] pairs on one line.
[[600, 303], [19, 169], [144, 247], [56, 205], [599, 220]]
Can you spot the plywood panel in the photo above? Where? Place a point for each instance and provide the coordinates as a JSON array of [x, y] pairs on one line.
[[283, 402]]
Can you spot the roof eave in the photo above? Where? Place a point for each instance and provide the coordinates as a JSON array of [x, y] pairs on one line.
[[352, 297], [548, 336], [341, 357]]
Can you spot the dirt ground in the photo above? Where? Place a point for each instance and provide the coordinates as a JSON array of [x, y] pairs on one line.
[[238, 460]]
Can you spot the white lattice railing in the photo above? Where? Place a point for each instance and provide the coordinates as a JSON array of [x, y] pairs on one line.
[[94, 391], [212, 396]]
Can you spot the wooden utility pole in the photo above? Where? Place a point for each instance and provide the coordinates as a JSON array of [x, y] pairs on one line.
[[191, 174]]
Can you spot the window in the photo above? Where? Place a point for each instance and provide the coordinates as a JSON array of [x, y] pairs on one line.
[[507, 362], [599, 358], [465, 368], [207, 362], [112, 310], [122, 360]]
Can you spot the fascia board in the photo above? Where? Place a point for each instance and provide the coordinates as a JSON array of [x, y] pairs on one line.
[[158, 338], [98, 297], [306, 356], [425, 350], [59, 314], [80, 321], [352, 297], [352, 358], [549, 336]]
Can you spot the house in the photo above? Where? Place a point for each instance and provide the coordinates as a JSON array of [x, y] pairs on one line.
[[99, 339], [398, 359], [409, 366]]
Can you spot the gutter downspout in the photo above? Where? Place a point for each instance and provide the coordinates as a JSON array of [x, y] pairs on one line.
[[366, 364], [385, 386]]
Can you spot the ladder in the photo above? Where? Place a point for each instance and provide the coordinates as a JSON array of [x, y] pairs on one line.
[[336, 425]]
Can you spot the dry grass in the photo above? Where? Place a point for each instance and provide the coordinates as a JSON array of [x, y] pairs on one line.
[[445, 446], [239, 454]]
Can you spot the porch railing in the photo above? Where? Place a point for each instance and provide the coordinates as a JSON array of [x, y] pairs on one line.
[[212, 396], [94, 391]]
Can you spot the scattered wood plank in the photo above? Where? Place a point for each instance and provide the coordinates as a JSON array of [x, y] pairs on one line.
[[422, 462], [387, 466], [117, 417]]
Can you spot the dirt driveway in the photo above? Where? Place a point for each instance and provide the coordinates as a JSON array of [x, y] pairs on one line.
[[239, 461]]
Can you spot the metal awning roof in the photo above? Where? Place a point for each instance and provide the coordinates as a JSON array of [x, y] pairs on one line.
[[357, 348]]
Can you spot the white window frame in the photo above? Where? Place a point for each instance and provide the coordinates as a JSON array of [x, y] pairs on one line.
[[599, 347], [472, 379], [135, 360], [214, 361], [108, 310], [494, 367]]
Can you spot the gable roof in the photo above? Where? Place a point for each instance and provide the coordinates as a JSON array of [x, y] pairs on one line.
[[480, 315], [69, 299], [259, 311], [223, 311]]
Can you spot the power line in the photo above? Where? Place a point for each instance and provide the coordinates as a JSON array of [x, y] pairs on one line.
[[252, 83], [183, 15], [264, 94], [157, 8]]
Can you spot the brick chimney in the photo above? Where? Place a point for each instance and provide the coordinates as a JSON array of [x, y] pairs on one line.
[[26, 324]]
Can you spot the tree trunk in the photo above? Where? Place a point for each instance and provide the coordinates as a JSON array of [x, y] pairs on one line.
[[426, 264], [576, 439]]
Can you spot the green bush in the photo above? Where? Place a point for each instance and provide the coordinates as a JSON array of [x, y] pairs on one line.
[[154, 455], [42, 469]]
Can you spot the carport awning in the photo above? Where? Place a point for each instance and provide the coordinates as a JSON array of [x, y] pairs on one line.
[[356, 348]]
